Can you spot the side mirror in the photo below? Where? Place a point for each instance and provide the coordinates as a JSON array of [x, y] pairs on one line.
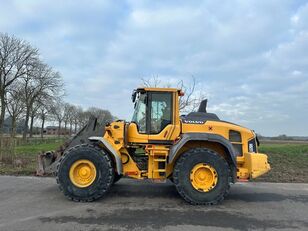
[[134, 95]]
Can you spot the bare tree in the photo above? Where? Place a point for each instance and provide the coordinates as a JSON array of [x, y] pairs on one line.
[[71, 118], [15, 56], [102, 115], [40, 82], [42, 114], [58, 111], [187, 99], [82, 118], [77, 113], [15, 105], [42, 109], [151, 82], [33, 113], [68, 111], [192, 97], [76, 117]]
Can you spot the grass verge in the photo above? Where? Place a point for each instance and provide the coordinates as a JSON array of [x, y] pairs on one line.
[[25, 161]]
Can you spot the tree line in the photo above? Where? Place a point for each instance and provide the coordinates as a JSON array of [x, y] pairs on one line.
[[71, 118], [31, 91]]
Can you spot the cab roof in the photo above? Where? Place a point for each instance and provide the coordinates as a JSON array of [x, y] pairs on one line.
[[158, 89]]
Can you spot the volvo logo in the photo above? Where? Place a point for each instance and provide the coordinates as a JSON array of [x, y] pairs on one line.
[[193, 122]]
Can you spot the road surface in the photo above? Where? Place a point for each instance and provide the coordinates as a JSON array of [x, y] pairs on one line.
[[30, 203]]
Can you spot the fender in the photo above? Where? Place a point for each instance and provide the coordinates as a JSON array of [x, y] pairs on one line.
[[110, 150], [205, 137]]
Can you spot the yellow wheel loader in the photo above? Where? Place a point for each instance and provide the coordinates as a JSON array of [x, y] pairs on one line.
[[201, 154]]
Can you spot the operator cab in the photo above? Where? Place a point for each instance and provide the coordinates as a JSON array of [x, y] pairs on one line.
[[155, 114], [152, 111]]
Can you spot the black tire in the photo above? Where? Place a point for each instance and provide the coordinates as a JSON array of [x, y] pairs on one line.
[[229, 185], [181, 176], [104, 173]]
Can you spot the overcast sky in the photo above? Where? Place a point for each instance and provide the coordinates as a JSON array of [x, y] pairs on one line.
[[249, 57]]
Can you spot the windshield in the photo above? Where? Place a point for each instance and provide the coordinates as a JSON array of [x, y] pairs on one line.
[[139, 116]]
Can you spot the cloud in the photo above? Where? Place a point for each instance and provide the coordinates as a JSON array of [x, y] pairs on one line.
[[249, 57]]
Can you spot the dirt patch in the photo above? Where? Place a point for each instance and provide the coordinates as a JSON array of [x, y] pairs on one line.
[[289, 162]]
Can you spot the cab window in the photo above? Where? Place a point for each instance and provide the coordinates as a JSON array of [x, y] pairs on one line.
[[139, 116], [161, 113]]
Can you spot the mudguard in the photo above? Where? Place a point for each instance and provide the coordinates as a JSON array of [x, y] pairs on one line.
[[205, 137], [110, 150]]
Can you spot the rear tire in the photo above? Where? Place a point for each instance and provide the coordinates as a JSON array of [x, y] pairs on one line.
[[184, 168], [104, 173]]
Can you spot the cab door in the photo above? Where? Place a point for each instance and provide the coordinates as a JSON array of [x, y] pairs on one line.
[[162, 124]]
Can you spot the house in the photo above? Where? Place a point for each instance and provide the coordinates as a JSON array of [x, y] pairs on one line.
[[54, 130]]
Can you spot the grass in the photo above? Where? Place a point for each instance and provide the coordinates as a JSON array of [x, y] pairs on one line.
[[289, 162], [35, 149], [25, 162]]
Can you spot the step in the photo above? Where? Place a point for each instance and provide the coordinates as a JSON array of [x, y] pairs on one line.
[[160, 170], [160, 160]]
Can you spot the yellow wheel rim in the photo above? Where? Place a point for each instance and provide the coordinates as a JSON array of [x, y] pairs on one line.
[[203, 177], [82, 173]]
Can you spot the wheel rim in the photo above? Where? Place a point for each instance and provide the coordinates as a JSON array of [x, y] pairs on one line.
[[82, 173], [203, 177]]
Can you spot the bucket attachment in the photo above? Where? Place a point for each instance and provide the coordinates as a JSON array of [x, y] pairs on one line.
[[47, 162]]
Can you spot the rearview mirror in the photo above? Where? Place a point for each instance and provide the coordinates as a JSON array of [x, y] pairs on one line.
[[134, 95]]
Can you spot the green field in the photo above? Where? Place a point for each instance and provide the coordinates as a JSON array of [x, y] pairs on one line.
[[25, 162], [289, 162]]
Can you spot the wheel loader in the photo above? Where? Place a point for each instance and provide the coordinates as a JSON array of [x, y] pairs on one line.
[[200, 153]]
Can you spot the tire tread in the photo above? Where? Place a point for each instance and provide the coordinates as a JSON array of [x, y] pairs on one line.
[[178, 166], [102, 190]]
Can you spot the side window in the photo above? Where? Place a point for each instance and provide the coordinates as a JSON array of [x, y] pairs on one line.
[[161, 111], [139, 116]]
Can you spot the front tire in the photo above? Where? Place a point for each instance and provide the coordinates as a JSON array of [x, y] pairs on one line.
[[85, 173], [201, 176]]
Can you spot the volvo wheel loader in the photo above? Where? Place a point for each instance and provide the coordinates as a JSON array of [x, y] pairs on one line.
[[201, 154]]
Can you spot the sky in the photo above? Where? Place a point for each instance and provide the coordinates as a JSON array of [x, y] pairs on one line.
[[250, 58]]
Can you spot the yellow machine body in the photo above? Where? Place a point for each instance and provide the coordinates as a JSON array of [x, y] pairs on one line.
[[152, 155]]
